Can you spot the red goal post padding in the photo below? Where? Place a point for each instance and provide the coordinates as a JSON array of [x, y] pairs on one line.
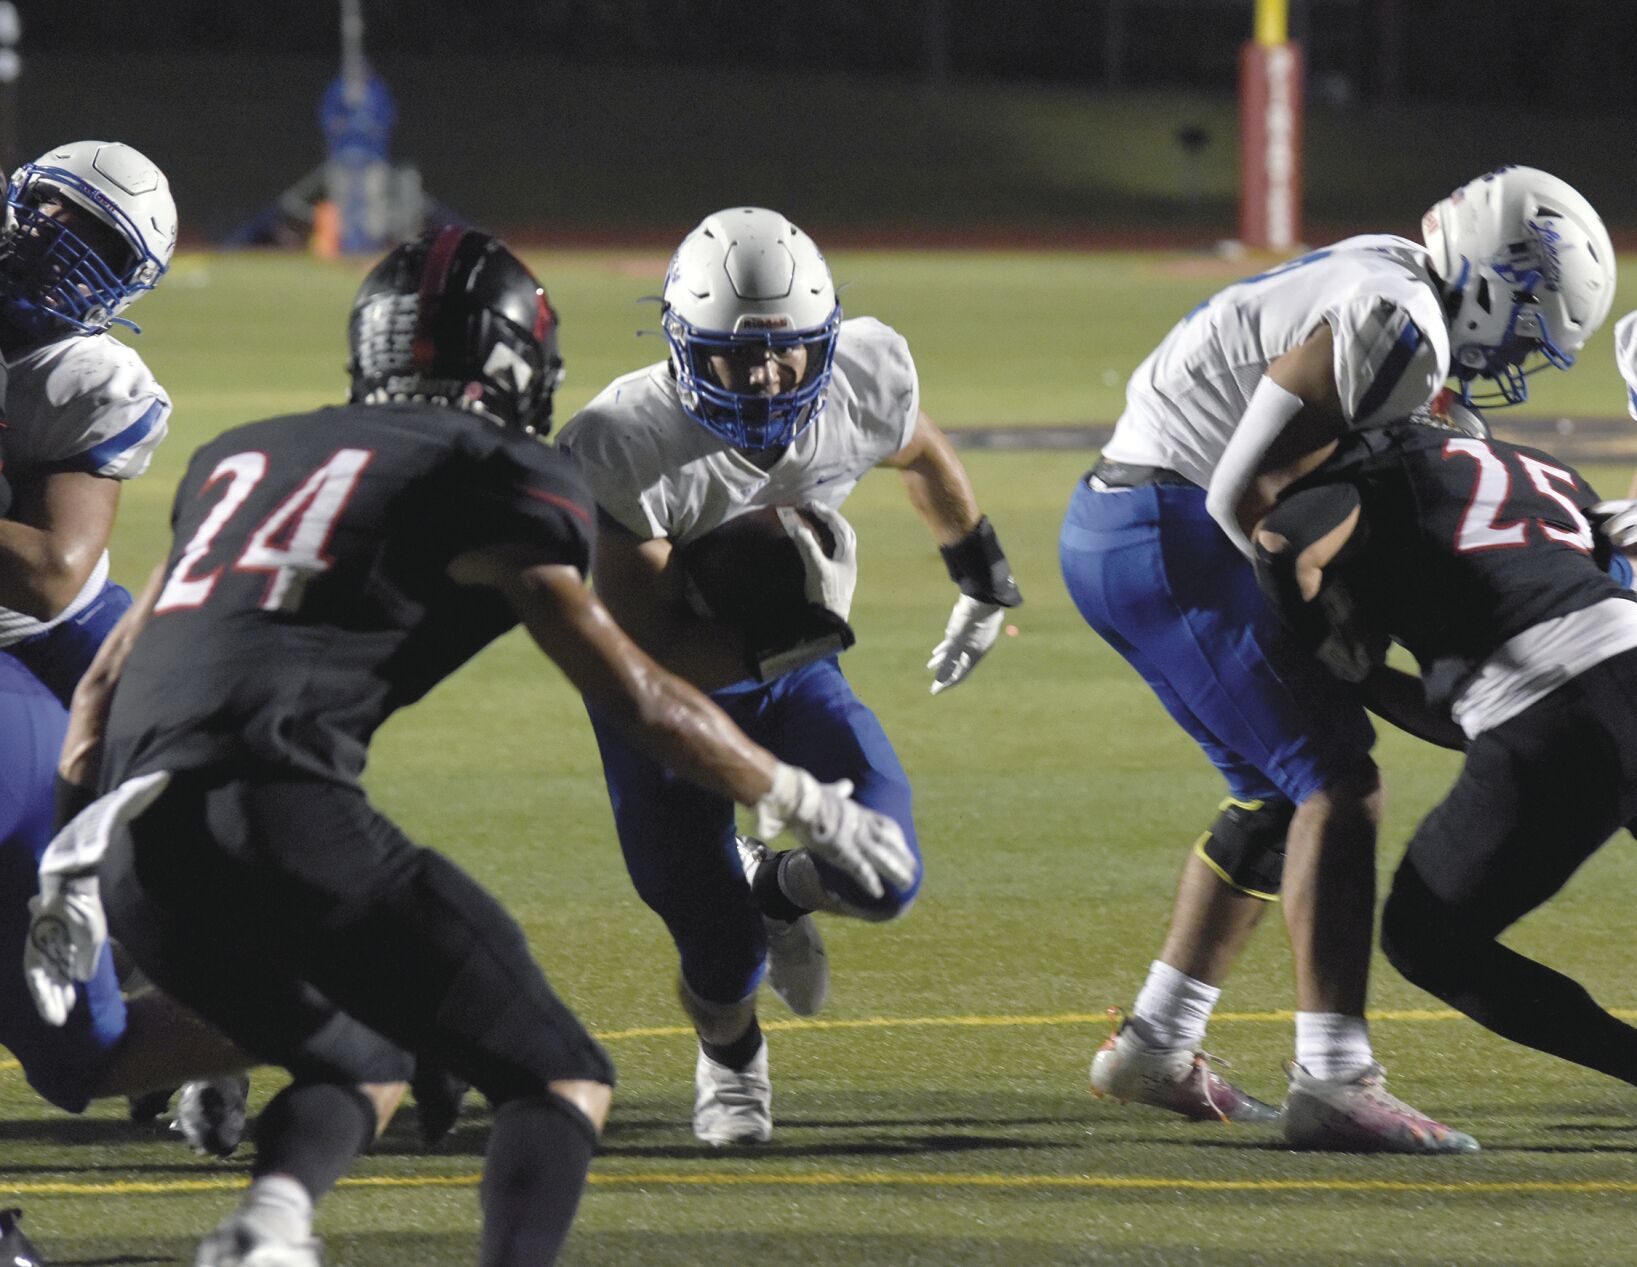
[[1270, 137]]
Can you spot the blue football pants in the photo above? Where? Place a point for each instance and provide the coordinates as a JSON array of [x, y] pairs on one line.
[[1153, 573], [678, 839]]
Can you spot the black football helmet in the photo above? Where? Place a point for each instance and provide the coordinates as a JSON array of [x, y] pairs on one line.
[[455, 317]]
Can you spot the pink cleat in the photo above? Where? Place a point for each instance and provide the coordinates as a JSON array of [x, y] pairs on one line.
[[1359, 1116]]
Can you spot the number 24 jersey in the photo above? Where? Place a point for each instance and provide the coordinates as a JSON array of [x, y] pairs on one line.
[[306, 596]]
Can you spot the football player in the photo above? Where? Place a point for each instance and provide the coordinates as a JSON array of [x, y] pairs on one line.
[[329, 568], [768, 399], [1516, 272], [1480, 558], [91, 229]]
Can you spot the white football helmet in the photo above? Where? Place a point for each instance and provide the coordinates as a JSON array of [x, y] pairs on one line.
[[1528, 268], [748, 278], [51, 276]]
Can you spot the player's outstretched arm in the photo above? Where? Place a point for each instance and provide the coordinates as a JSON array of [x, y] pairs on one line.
[[941, 492], [678, 725]]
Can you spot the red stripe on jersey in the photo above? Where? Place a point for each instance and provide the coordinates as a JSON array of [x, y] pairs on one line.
[[562, 503]]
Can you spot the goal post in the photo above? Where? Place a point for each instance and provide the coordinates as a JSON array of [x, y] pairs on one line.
[[1270, 132]]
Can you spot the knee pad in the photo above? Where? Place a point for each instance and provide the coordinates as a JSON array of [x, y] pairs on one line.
[[1245, 846]]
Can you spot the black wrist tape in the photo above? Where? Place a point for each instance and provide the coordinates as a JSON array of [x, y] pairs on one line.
[[978, 565]]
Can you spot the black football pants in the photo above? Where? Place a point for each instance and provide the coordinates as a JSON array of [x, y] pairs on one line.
[[317, 936], [1537, 796]]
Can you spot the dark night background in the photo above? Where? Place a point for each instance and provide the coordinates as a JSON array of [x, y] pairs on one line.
[[934, 120]]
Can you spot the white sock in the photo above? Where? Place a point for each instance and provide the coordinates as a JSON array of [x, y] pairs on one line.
[[1331, 1046], [279, 1203], [1172, 1008]]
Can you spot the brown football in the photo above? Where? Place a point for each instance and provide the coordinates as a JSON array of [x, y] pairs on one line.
[[750, 564]]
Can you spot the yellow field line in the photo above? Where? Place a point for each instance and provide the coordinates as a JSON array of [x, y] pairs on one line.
[[873, 1179], [1061, 1018], [979, 1022]]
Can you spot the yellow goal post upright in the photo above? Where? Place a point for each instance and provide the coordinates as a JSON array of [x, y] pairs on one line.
[[1270, 133]]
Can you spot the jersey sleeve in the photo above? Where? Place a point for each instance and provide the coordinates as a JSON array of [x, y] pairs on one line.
[[883, 376], [615, 465], [1625, 356], [1391, 356], [110, 420], [522, 491]]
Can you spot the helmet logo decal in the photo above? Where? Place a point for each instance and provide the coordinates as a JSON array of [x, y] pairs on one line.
[[502, 358]]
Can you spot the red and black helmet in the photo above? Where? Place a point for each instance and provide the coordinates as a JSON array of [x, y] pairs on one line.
[[455, 317]]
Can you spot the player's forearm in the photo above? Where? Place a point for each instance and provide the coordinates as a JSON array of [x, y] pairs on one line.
[[941, 491], [673, 721], [81, 759], [683, 730]]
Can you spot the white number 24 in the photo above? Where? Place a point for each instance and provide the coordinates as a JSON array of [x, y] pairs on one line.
[[289, 544]]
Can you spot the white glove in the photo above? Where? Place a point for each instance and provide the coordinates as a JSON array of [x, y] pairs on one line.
[[972, 629], [66, 933], [831, 579], [1617, 522], [68, 929], [863, 843]]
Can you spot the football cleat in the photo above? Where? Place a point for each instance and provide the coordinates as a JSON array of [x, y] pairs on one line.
[[1359, 1116], [210, 1114], [797, 967], [15, 1248], [732, 1106], [243, 1239], [1171, 1078]]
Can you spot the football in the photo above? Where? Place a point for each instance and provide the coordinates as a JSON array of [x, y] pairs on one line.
[[749, 566]]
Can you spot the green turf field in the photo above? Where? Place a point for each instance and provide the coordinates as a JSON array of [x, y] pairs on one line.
[[937, 1113]]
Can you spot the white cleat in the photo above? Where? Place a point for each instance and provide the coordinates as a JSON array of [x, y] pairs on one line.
[[1359, 1116], [797, 967], [243, 1239], [732, 1106], [1173, 1078]]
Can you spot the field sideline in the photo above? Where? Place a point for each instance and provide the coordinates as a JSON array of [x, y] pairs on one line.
[[937, 1113]]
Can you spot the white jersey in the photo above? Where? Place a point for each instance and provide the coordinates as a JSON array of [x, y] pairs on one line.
[[1377, 294], [83, 404], [86, 403], [1625, 356], [660, 474]]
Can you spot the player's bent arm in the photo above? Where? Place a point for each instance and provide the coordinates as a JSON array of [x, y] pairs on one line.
[[936, 482], [81, 759], [639, 582], [58, 529], [941, 492], [1295, 410]]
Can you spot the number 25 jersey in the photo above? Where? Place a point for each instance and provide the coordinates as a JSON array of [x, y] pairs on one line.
[[306, 596], [1481, 561]]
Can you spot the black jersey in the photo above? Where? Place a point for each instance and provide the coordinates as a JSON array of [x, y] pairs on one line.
[[306, 595], [1470, 543]]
